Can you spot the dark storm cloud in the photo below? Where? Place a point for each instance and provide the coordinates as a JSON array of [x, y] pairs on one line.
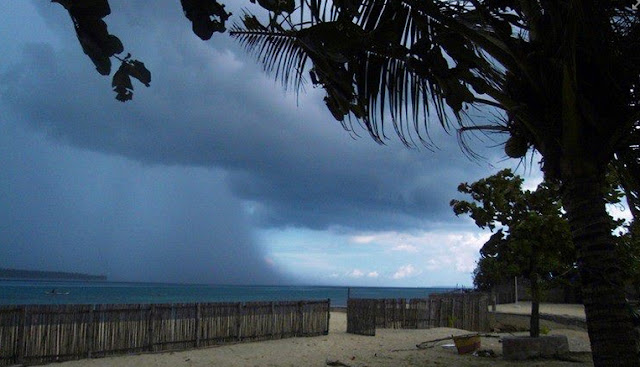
[[209, 105], [69, 210]]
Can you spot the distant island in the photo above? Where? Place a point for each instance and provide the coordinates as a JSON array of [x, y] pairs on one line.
[[52, 275]]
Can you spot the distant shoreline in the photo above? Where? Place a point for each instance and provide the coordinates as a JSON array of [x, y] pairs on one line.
[[22, 274]]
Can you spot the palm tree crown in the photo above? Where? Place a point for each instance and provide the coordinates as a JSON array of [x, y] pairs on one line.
[[565, 75], [540, 62]]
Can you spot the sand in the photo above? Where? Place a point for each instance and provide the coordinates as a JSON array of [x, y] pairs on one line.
[[524, 308], [390, 347]]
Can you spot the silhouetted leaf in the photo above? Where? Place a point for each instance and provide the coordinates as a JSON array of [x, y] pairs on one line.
[[137, 70], [92, 31], [115, 45], [121, 84], [252, 23], [206, 16], [86, 8], [278, 6], [335, 109]]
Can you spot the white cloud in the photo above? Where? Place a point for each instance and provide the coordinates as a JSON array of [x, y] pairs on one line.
[[225, 61], [363, 239], [355, 273], [405, 248], [433, 264], [465, 263], [421, 258], [534, 179], [406, 271], [465, 248]]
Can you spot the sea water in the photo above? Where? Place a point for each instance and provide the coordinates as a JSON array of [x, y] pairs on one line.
[[15, 292]]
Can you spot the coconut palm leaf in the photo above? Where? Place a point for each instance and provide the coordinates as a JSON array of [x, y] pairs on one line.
[[278, 50], [389, 60]]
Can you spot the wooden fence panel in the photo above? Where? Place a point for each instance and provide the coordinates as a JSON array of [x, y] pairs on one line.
[[39, 334], [287, 319], [218, 323], [316, 318], [468, 311], [121, 328], [11, 334], [361, 316], [258, 321], [54, 333], [174, 326], [420, 316]]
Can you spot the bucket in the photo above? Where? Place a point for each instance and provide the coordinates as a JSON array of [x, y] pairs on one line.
[[467, 343]]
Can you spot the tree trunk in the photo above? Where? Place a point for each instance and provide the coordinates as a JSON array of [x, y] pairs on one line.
[[534, 324], [613, 339]]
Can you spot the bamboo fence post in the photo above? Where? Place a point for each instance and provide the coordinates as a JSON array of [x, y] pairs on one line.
[[468, 312], [476, 316], [452, 312], [151, 328], [394, 313], [403, 313], [273, 318], [471, 310], [300, 319], [484, 316], [427, 312], [384, 310], [480, 303], [388, 314], [22, 320], [197, 324], [326, 330], [90, 331], [481, 313], [239, 321]]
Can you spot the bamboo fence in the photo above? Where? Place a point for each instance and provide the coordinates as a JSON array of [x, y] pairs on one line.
[[37, 334], [361, 316], [468, 311]]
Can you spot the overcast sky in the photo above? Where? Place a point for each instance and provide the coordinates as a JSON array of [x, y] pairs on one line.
[[213, 174]]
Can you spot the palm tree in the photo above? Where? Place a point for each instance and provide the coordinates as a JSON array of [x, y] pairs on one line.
[[564, 75]]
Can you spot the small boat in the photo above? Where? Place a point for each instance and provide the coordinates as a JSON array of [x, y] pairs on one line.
[[55, 292], [467, 343]]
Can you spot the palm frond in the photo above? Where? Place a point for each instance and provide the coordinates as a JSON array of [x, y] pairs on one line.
[[278, 50], [379, 60]]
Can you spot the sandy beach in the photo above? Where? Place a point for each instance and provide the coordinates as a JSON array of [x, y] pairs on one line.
[[524, 308], [390, 347]]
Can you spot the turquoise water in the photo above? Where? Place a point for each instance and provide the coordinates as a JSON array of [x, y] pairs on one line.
[[14, 292]]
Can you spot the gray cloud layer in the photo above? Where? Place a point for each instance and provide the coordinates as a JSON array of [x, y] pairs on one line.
[[64, 209], [214, 117]]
